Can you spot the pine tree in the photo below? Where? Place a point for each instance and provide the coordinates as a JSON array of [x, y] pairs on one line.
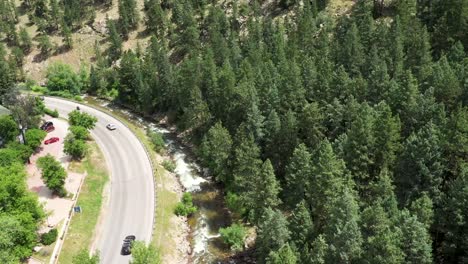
[[422, 208], [420, 167], [318, 251], [326, 183], [301, 225], [416, 242], [67, 36], [381, 240], [215, 150], [342, 229], [263, 192], [115, 48], [387, 129], [298, 173], [55, 14], [453, 217], [285, 255], [45, 45], [379, 80], [447, 88], [246, 162], [25, 40], [40, 9], [397, 54], [291, 92], [155, 18], [311, 129], [403, 99], [359, 145], [272, 233], [456, 145], [129, 78], [6, 76], [128, 16], [255, 119], [353, 53]]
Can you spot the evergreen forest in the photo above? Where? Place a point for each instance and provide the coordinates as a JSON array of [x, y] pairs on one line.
[[343, 138]]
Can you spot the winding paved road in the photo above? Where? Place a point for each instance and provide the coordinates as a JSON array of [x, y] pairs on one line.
[[131, 203]]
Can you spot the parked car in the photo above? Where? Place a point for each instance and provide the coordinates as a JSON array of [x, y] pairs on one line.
[[46, 125], [127, 245], [50, 129], [111, 127], [51, 140]]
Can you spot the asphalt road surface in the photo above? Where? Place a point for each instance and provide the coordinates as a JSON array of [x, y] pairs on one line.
[[130, 210]]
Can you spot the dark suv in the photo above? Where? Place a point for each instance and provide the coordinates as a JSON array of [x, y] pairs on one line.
[[46, 125], [127, 245]]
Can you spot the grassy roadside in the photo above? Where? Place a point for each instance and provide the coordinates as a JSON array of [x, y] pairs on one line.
[[166, 199], [44, 254], [82, 226]]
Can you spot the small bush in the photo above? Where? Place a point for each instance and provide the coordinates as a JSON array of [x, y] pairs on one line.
[[52, 113], [39, 89], [169, 165], [79, 132], [34, 137], [49, 237], [157, 141], [78, 98], [64, 94], [233, 236], [76, 148], [185, 207], [234, 203], [78, 118]]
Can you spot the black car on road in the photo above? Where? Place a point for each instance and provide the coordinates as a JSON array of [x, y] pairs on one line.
[[127, 245]]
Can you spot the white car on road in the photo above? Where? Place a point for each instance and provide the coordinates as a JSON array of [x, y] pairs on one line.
[[111, 127]]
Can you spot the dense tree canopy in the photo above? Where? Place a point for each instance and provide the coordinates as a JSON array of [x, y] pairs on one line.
[[352, 127]]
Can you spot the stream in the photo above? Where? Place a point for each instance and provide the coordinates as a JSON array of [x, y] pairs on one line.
[[207, 246], [211, 215]]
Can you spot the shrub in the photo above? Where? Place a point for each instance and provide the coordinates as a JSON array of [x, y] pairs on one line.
[[39, 89], [49, 237], [64, 94], [83, 257], [52, 113], [53, 174], [185, 207], [76, 148], [169, 165], [79, 132], [157, 141], [234, 203], [61, 77], [8, 156], [34, 137], [78, 118], [78, 98], [233, 236], [23, 151], [8, 129]]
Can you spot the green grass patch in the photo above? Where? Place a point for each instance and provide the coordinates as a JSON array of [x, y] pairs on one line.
[[80, 231], [46, 251], [169, 165]]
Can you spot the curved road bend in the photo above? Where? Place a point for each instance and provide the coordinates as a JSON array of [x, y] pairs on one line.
[[131, 202]]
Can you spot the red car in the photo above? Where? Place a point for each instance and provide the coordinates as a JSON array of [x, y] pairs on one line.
[[51, 140]]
